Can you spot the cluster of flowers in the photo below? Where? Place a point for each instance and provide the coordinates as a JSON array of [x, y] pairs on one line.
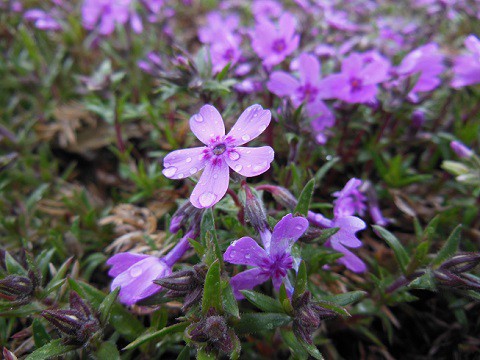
[[135, 274]]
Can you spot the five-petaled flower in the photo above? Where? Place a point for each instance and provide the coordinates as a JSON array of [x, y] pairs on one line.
[[271, 262], [221, 152]]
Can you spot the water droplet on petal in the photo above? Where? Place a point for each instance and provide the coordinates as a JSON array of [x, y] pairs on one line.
[[233, 155], [198, 118], [299, 227], [245, 137], [215, 176], [238, 167], [193, 170], [136, 271], [179, 176], [248, 256], [169, 172], [207, 199], [262, 128], [260, 167], [189, 159]]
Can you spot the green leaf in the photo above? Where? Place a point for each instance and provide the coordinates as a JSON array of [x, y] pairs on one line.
[[184, 354], [212, 291], [346, 298], [53, 348], [312, 350], [203, 355], [108, 351], [13, 266], [400, 253], [40, 334], [301, 280], [263, 302], [285, 300], [326, 233], [121, 319], [304, 199], [450, 247], [334, 307], [105, 307], [207, 225], [199, 248], [324, 169], [257, 322], [150, 336], [298, 351], [58, 279], [230, 304]]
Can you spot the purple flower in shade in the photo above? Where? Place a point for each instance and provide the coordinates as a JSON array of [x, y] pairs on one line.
[[221, 152], [274, 43], [461, 150], [107, 13], [349, 200], [357, 83], [266, 8], [152, 64], [216, 26], [270, 262], [466, 68], [427, 62], [134, 273], [226, 49], [42, 19], [339, 20], [308, 89]]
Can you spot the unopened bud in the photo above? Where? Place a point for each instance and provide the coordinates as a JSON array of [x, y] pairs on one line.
[[15, 288], [461, 263], [281, 195], [213, 330], [254, 211], [307, 316], [8, 355], [186, 283], [461, 150], [78, 323], [455, 168], [418, 118], [184, 214]]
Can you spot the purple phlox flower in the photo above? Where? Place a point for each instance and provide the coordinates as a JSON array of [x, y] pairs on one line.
[[134, 273], [266, 8], [346, 238], [461, 150], [466, 68], [153, 6], [216, 26], [224, 50], [152, 64], [357, 82], [339, 20], [349, 200], [324, 50], [427, 61], [274, 43], [42, 19], [308, 89], [107, 13], [220, 153], [270, 262]]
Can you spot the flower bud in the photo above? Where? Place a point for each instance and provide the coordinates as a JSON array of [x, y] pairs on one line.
[[213, 330], [281, 195], [461, 150], [461, 263], [78, 323], [16, 288], [186, 283], [307, 316], [8, 355], [185, 213], [254, 211]]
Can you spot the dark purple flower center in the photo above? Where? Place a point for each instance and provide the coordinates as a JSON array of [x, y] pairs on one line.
[[219, 149], [229, 54], [279, 45], [356, 84], [307, 92], [279, 265]]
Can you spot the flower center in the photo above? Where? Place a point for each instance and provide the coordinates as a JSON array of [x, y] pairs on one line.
[[356, 84], [308, 92], [229, 54], [279, 45], [219, 149]]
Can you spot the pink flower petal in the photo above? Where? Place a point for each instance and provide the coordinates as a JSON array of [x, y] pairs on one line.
[[122, 261], [207, 124], [250, 161], [350, 260], [253, 121], [180, 164], [348, 225], [246, 251], [282, 84], [286, 232], [212, 185], [309, 69], [247, 280]]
